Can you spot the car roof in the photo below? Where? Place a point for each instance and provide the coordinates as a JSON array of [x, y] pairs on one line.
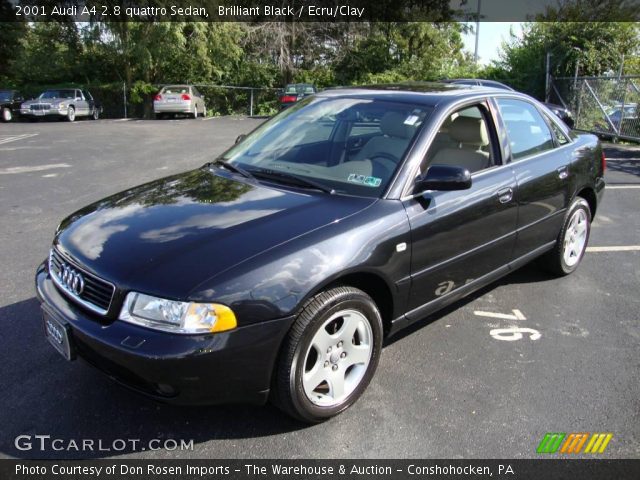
[[425, 93]]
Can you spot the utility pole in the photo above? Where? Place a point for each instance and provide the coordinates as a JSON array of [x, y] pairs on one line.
[[475, 54], [547, 80]]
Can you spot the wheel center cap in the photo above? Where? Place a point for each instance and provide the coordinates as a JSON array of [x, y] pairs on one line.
[[335, 356]]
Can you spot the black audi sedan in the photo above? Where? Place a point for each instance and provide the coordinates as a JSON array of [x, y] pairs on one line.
[[276, 270]]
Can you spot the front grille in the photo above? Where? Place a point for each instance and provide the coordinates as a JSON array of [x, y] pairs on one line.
[[41, 106], [95, 294]]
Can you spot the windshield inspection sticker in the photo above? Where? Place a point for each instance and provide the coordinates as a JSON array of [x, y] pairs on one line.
[[411, 120], [364, 180]]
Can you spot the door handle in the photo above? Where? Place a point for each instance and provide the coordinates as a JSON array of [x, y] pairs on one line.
[[563, 172], [505, 195]]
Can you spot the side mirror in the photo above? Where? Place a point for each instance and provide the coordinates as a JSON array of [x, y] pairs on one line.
[[240, 137], [443, 178]]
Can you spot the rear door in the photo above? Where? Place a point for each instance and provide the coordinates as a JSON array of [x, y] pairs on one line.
[[541, 163], [461, 237]]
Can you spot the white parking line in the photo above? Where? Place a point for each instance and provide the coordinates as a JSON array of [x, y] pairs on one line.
[[623, 159], [16, 137], [620, 187], [617, 248], [39, 168], [517, 315]]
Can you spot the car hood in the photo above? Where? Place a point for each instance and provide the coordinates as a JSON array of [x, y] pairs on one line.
[[50, 101], [170, 235]]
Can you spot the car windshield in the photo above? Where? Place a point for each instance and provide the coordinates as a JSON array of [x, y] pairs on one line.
[[349, 145], [58, 94], [5, 95]]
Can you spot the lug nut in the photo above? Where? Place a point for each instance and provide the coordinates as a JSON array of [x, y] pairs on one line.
[[329, 350], [326, 364], [334, 368], [340, 343], [343, 354]]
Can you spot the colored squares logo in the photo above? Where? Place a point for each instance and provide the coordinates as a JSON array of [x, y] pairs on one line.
[[574, 443]]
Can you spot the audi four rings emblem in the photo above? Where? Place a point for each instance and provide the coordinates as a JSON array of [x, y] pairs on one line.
[[72, 279]]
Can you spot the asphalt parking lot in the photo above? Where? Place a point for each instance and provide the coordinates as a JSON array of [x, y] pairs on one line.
[[448, 388]]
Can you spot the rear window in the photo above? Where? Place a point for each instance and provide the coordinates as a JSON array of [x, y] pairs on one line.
[[178, 90]]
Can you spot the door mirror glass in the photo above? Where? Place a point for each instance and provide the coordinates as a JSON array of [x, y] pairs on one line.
[[444, 178]]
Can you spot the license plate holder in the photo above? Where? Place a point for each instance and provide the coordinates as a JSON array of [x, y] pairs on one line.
[[39, 113], [59, 335]]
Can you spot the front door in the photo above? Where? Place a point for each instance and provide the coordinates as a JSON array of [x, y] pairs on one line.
[[461, 237]]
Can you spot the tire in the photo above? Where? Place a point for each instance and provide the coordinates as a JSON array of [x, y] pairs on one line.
[[96, 114], [7, 115], [195, 111], [204, 111], [572, 240], [71, 114], [334, 343]]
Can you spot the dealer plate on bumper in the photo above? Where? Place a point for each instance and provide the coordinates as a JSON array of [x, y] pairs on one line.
[[58, 335]]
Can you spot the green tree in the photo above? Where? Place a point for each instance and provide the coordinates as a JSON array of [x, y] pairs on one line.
[[590, 48]]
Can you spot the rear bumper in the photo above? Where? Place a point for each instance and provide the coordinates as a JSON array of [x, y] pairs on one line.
[[228, 367], [177, 107]]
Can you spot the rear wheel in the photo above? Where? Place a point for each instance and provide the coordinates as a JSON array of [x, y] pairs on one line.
[[572, 241], [195, 111], [71, 114], [329, 356], [96, 113], [7, 114]]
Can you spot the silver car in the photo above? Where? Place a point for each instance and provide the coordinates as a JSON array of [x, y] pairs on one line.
[[174, 99], [68, 103]]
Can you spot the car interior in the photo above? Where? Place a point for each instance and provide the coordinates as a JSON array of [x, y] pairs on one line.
[[462, 140]]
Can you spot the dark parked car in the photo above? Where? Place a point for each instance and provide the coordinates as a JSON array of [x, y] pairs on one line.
[[295, 92], [562, 112], [277, 270], [63, 103], [10, 101]]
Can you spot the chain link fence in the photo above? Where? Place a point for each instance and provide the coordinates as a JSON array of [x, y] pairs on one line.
[[120, 100], [606, 106]]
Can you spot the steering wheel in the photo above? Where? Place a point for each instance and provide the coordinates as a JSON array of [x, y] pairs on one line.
[[386, 161]]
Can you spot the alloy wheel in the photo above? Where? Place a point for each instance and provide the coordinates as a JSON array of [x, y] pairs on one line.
[[337, 358]]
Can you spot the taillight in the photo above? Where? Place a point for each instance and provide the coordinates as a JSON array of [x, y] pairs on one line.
[[288, 98], [186, 96], [158, 97], [604, 162]]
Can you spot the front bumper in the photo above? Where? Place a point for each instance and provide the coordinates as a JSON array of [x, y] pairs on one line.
[[43, 113], [228, 367]]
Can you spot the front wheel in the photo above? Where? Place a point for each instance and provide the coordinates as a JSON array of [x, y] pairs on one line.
[[96, 114], [71, 114], [7, 115], [572, 241], [329, 355]]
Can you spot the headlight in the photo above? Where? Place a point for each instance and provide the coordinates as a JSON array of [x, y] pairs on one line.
[[176, 317], [61, 106]]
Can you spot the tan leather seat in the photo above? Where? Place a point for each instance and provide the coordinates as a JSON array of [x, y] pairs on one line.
[[471, 136], [393, 141]]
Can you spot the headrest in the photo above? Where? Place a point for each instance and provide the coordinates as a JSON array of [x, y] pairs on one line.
[[469, 130], [392, 124]]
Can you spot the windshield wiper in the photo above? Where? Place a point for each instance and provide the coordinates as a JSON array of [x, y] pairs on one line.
[[292, 179], [232, 167]]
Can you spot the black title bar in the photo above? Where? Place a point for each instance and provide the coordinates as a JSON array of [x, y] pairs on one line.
[[319, 10]]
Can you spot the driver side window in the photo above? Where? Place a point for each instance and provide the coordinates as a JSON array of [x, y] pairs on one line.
[[462, 140]]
